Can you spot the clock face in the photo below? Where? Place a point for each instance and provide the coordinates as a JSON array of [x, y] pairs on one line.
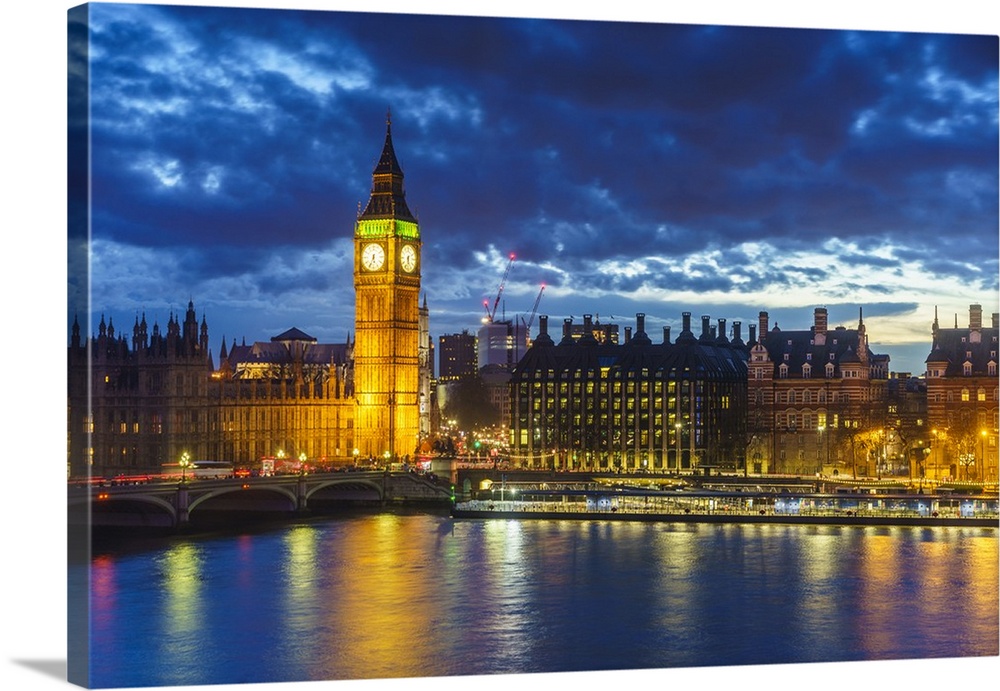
[[408, 258], [372, 257]]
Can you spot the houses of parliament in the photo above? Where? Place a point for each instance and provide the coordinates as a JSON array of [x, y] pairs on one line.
[[139, 402]]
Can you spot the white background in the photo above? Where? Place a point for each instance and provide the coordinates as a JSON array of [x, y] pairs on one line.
[[32, 390]]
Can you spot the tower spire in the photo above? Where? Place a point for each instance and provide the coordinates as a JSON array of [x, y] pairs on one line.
[[388, 199]]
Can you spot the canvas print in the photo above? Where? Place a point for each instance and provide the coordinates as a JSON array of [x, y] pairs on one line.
[[413, 346]]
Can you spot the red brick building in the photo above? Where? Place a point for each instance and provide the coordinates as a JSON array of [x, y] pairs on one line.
[[816, 400], [962, 400]]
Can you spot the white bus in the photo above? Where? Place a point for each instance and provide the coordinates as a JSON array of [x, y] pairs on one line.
[[218, 469], [205, 469]]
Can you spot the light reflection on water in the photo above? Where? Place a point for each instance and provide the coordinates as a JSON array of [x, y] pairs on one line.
[[388, 595]]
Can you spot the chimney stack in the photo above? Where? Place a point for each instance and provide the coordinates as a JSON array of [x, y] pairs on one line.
[[975, 317], [819, 320], [762, 321], [640, 323], [666, 334], [721, 332]]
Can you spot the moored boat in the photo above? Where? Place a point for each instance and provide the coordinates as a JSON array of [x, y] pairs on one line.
[[738, 507]]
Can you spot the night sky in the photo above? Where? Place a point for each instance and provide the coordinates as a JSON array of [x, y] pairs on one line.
[[805, 168], [630, 167]]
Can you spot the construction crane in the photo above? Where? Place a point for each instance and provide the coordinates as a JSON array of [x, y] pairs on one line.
[[491, 312], [534, 310]]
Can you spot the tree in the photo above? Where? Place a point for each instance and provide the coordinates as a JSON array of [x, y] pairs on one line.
[[966, 439], [861, 431], [753, 445]]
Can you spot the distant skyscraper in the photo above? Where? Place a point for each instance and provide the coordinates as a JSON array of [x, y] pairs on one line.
[[500, 345], [457, 356]]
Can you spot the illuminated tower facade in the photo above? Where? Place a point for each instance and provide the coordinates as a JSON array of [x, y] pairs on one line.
[[386, 316]]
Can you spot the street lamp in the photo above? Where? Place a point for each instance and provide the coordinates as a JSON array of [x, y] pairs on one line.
[[940, 439], [923, 468], [819, 431], [677, 452], [302, 463], [184, 463], [982, 452]]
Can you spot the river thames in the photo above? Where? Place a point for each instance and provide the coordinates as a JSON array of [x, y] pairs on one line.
[[389, 595]]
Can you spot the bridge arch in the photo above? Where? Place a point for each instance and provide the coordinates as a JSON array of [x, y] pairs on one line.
[[102, 508], [282, 491], [347, 483]]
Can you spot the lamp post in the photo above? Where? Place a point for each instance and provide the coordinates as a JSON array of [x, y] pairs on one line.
[[677, 457], [184, 463], [880, 453], [925, 454], [982, 452], [302, 463], [790, 432], [819, 432], [936, 448]]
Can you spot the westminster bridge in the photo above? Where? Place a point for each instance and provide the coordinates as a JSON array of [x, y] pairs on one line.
[[173, 504]]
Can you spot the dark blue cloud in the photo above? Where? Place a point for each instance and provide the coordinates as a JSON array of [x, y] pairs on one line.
[[751, 162]]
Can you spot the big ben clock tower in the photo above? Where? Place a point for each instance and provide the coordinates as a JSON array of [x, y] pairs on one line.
[[386, 315]]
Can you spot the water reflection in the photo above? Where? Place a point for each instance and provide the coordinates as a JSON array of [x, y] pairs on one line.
[[298, 580], [932, 589], [414, 595], [182, 614]]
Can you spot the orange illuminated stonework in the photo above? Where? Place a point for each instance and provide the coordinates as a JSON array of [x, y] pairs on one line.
[[135, 405], [387, 316]]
